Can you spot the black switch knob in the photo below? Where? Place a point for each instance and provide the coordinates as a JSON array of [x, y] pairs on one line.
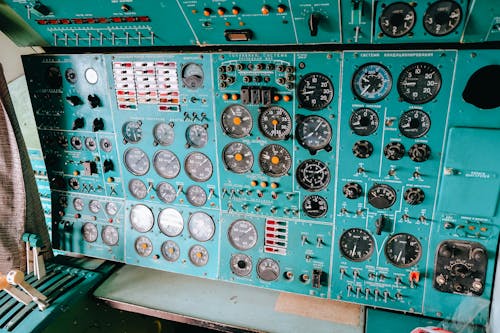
[[478, 254], [94, 101], [313, 23], [74, 100], [78, 123], [352, 190], [394, 151], [419, 152], [108, 165], [98, 124], [379, 225]]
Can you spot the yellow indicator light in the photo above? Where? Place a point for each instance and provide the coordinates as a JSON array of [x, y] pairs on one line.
[[238, 157], [237, 120], [275, 160], [199, 254], [274, 122]]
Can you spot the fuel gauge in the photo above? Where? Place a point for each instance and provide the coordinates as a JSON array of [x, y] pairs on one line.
[[198, 255], [143, 246]]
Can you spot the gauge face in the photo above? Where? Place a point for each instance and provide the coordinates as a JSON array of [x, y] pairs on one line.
[[356, 244], [419, 83], [442, 17], [198, 167], [166, 164], [141, 218], [106, 145], [111, 208], [241, 264], [137, 188], [90, 144], [170, 250], [242, 235], [236, 121], [315, 91], [192, 76], [364, 121], [403, 250], [132, 131], [315, 206], [166, 192], [314, 133], [381, 196], [397, 19], [76, 142], [372, 82], [275, 160], [94, 206], [143, 246], [201, 226], [78, 204], [238, 157], [414, 123], [313, 175], [197, 136], [89, 232], [275, 123], [109, 235], [170, 222], [268, 269], [196, 195], [164, 134], [198, 255], [136, 161]]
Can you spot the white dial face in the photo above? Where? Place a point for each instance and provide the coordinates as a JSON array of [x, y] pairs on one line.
[[242, 235], [201, 226], [94, 206], [109, 235], [198, 255], [111, 208], [89, 231], [170, 222], [78, 204], [141, 218]]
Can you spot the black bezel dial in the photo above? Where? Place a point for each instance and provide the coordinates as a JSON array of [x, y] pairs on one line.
[[314, 133], [414, 123], [313, 175], [403, 250], [275, 160], [419, 83], [371, 82], [275, 123], [356, 244], [364, 121], [315, 206], [397, 19], [315, 91], [442, 17]]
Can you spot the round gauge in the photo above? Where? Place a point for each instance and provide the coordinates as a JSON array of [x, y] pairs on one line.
[[91, 76], [136, 161], [313, 175], [166, 192], [315, 91], [109, 235], [236, 121], [90, 144], [364, 121], [315, 206], [70, 75], [132, 131], [197, 136], [111, 208], [192, 76], [371, 82], [89, 232], [414, 123], [442, 17], [164, 134], [78, 204], [106, 145], [394, 151], [356, 244], [143, 246], [419, 83], [94, 206], [275, 123], [166, 164], [241, 264], [198, 167], [352, 190], [141, 218], [196, 195], [238, 157], [381, 196], [314, 133], [397, 19], [76, 142], [275, 160], [201, 226], [268, 269], [362, 149], [403, 250], [170, 222], [137, 188], [242, 235], [198, 255], [414, 195], [170, 250]]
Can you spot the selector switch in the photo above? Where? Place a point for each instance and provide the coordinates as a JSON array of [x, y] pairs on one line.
[[414, 196], [108, 165], [78, 123], [74, 100], [94, 101], [394, 151], [313, 23], [352, 190], [362, 149], [97, 125], [419, 152]]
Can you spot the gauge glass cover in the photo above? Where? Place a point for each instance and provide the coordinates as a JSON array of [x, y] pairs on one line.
[[170, 222], [141, 218], [201, 226], [242, 235], [315, 91]]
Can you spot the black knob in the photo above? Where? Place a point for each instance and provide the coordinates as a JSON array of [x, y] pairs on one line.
[[352, 190], [313, 24], [445, 251], [478, 254], [74, 100], [98, 124], [414, 196], [108, 165], [379, 225], [78, 123], [94, 101], [394, 151], [362, 149], [419, 152]]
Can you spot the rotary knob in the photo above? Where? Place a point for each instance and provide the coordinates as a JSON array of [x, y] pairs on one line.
[[394, 151], [478, 254], [445, 251], [362, 149], [352, 190], [419, 152], [414, 196], [94, 101]]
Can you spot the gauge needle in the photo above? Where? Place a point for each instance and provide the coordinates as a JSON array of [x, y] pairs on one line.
[[354, 249], [307, 92], [365, 90], [399, 256]]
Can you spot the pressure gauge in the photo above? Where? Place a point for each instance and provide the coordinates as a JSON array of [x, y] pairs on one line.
[[170, 250], [414, 123], [136, 161], [198, 167], [314, 133], [275, 160], [78, 204], [315, 91], [90, 144], [76, 142], [111, 208], [164, 134], [236, 121], [241, 264], [166, 164], [196, 195], [109, 235], [403, 250], [143, 246], [238, 157], [356, 244], [192, 76], [275, 123], [132, 131], [170, 222], [137, 188], [371, 82], [364, 121], [313, 175], [419, 83], [197, 136], [242, 235], [268, 269], [89, 232], [381, 196], [201, 226], [442, 17], [198, 255], [106, 145], [315, 206], [141, 218], [94, 206], [166, 192], [397, 19]]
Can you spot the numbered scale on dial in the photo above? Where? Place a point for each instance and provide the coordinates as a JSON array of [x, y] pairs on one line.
[[403, 250], [397, 19], [442, 17], [371, 82], [236, 121], [238, 157], [275, 160], [419, 83], [314, 133], [275, 123], [315, 91], [356, 244]]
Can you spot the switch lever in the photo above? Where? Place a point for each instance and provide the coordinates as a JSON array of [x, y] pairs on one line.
[[313, 23]]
